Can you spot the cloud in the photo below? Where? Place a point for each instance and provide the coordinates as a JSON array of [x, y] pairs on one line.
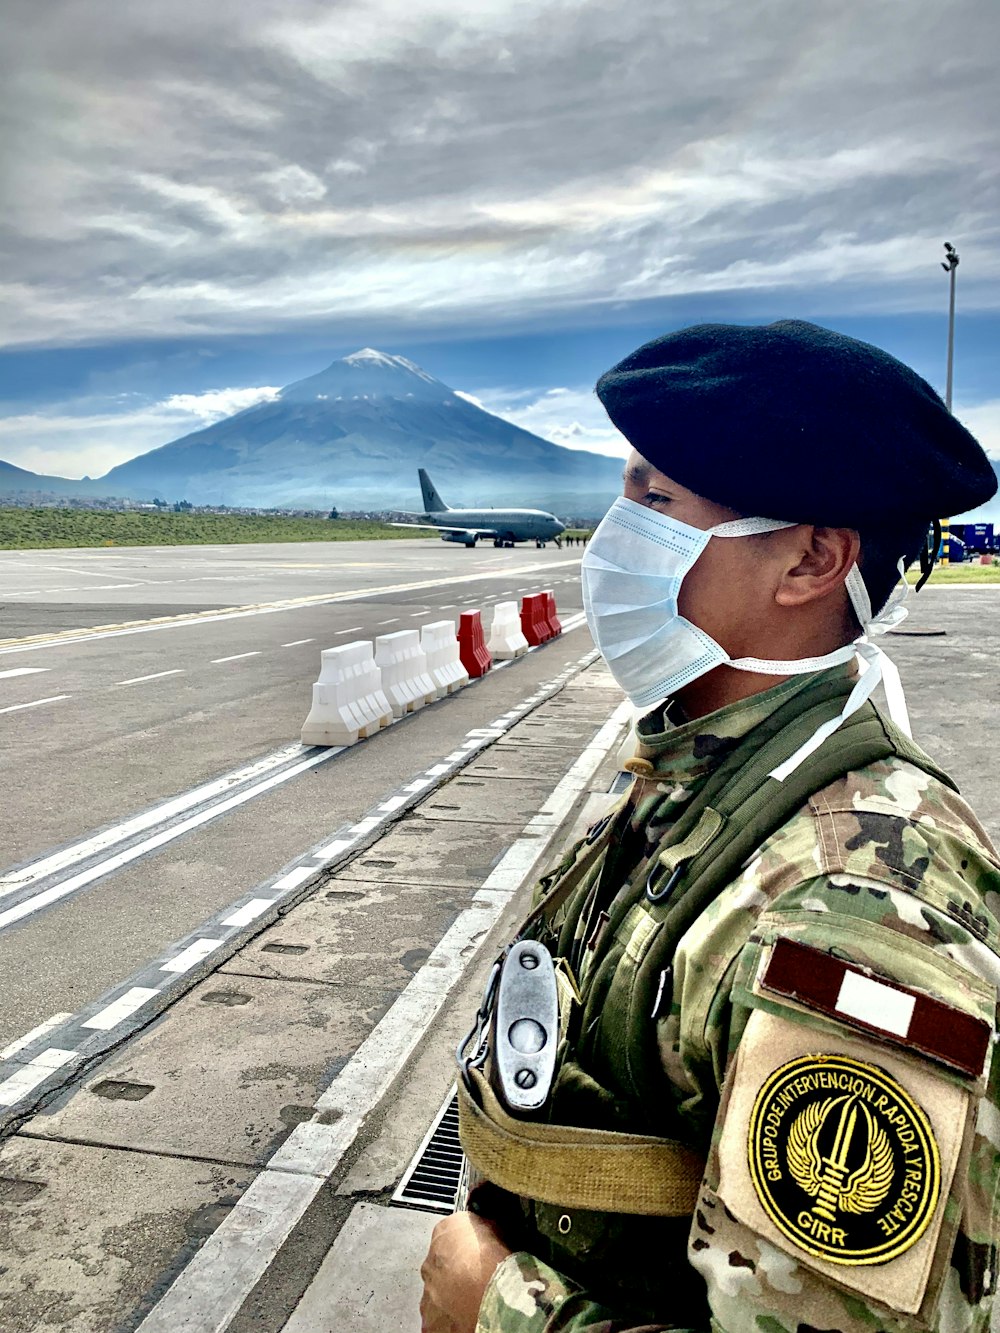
[[175, 168], [218, 403], [88, 439], [984, 422], [573, 418]]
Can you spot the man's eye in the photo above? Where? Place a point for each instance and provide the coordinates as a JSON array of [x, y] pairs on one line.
[[654, 498]]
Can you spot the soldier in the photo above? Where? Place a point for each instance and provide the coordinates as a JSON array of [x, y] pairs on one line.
[[772, 1104]]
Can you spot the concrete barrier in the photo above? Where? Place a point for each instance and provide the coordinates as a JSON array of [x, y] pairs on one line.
[[444, 665], [474, 654], [534, 619], [347, 701], [403, 664], [551, 614], [506, 636]]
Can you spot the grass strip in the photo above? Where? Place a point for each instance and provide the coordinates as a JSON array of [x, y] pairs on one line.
[[38, 529]]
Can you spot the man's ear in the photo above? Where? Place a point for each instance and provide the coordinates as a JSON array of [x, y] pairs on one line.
[[819, 563]]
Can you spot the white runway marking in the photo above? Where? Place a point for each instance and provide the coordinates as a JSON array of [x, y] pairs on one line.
[[157, 675], [100, 842], [194, 953], [18, 1085], [352, 629], [120, 1009], [391, 621], [236, 657], [266, 608], [249, 913], [295, 643], [64, 888], [10, 1051], [22, 671], [35, 703]]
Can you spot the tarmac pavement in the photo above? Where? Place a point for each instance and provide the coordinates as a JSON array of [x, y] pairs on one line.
[[193, 1165]]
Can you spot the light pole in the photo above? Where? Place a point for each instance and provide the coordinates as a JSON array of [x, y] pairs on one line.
[[950, 264]]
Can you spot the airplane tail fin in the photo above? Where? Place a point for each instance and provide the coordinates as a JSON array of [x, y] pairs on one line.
[[433, 504]]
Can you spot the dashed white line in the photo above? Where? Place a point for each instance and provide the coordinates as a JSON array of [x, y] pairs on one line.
[[35, 703], [157, 675], [194, 953], [236, 657], [22, 671], [391, 621], [120, 1009], [18, 1085], [296, 642], [351, 629], [10, 1051], [295, 877], [249, 912]]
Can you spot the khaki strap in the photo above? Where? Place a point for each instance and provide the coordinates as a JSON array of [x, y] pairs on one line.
[[595, 1169]]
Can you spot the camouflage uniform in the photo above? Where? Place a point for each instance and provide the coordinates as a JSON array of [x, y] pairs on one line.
[[888, 868]]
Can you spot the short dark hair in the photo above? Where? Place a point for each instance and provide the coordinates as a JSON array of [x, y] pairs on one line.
[[881, 550]]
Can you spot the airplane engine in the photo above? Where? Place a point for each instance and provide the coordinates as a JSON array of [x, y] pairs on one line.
[[458, 537]]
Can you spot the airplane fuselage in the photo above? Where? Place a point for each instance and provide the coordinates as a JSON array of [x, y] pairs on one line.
[[509, 525]]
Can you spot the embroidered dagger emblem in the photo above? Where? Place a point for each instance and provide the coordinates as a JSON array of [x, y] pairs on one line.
[[828, 1177]]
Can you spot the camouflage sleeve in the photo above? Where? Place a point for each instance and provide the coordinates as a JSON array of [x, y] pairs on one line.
[[527, 1296]]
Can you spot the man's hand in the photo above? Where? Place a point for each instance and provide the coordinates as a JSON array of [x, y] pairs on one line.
[[464, 1253]]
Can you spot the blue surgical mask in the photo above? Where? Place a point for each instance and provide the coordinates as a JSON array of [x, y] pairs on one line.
[[632, 573]]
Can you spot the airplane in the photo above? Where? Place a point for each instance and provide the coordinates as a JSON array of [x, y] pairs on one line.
[[505, 526]]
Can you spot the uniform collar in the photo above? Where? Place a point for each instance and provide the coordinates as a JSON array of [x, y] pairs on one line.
[[683, 754]]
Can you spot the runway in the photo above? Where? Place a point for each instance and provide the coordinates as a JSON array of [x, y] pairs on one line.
[[133, 681]]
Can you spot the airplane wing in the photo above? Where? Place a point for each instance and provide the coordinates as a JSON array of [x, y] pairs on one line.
[[442, 527]]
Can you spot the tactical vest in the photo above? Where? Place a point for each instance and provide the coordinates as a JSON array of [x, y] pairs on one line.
[[607, 1185]]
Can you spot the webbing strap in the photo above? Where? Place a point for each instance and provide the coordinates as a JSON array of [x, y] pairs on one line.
[[594, 1169], [752, 807]]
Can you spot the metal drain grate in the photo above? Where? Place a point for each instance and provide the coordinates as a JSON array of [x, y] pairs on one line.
[[431, 1180]]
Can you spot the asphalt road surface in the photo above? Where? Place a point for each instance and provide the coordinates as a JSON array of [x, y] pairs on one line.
[[151, 702], [129, 678]]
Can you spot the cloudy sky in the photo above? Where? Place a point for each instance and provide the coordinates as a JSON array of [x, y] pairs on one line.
[[204, 201]]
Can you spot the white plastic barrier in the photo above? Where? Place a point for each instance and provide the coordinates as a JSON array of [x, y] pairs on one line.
[[347, 701], [506, 636], [403, 664], [444, 665]]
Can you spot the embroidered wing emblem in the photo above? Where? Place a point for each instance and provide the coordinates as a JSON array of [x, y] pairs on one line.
[[804, 1160], [866, 1187]]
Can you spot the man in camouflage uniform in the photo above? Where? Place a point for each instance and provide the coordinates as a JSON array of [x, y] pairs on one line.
[[821, 1034]]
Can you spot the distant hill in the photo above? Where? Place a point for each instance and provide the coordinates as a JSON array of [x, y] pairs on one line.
[[16, 480], [354, 435]]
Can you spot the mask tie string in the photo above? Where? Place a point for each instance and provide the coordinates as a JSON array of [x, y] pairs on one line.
[[875, 665]]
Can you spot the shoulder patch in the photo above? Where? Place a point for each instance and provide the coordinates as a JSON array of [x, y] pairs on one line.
[[845, 1154], [843, 1160]]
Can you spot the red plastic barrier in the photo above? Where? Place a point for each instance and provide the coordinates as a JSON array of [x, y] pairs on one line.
[[472, 650], [534, 619], [551, 615]]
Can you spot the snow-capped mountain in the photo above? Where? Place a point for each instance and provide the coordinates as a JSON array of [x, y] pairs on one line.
[[354, 435]]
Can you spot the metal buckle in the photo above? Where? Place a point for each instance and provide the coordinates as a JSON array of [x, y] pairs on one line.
[[479, 1032], [661, 895], [598, 828]]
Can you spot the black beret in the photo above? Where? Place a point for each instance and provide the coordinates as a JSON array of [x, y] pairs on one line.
[[794, 421]]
